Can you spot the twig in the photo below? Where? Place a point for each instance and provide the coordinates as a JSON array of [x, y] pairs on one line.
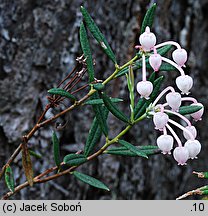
[[39, 179]]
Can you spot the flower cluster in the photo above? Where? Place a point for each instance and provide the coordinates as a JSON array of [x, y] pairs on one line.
[[161, 115]]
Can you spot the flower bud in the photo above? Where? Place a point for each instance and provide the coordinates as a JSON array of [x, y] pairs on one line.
[[144, 88], [174, 100], [147, 39], [160, 119], [184, 83], [192, 130], [165, 143], [180, 56], [197, 115], [194, 147], [155, 61], [181, 155]]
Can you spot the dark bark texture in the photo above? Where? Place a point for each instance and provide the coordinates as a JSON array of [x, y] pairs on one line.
[[39, 42]]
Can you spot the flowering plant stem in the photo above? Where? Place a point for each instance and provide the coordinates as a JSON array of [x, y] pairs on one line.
[[40, 123], [39, 179]]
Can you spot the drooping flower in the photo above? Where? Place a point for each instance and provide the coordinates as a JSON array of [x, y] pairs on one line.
[[160, 119], [197, 115], [147, 39], [192, 130], [193, 147], [181, 155], [184, 83], [180, 56], [155, 61], [165, 143], [144, 88], [174, 100]]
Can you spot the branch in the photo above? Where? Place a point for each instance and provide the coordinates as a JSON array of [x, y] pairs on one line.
[[38, 179], [40, 124]]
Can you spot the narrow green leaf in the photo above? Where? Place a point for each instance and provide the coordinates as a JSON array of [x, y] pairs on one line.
[[34, 154], [141, 148], [186, 110], [99, 113], [56, 149], [141, 107], [86, 51], [61, 92], [132, 154], [100, 101], [149, 17], [94, 135], [152, 77], [97, 34], [123, 151], [163, 50], [9, 178], [27, 164], [132, 148], [74, 159], [113, 109], [166, 67], [90, 180]]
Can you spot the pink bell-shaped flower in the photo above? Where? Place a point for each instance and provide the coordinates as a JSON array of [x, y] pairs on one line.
[[192, 130], [144, 88], [181, 155], [165, 143], [184, 83], [155, 61], [147, 39], [194, 147], [174, 100], [197, 115], [180, 56], [160, 120]]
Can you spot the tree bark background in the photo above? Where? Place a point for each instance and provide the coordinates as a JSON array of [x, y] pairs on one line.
[[39, 42]]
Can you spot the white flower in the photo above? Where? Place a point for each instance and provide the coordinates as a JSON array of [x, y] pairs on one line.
[[160, 119], [192, 130], [144, 88], [174, 100], [155, 61], [194, 147], [147, 39], [180, 56], [181, 155], [165, 143], [197, 115], [184, 83]]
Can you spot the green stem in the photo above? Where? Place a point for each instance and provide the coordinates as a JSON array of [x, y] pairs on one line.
[[119, 69]]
